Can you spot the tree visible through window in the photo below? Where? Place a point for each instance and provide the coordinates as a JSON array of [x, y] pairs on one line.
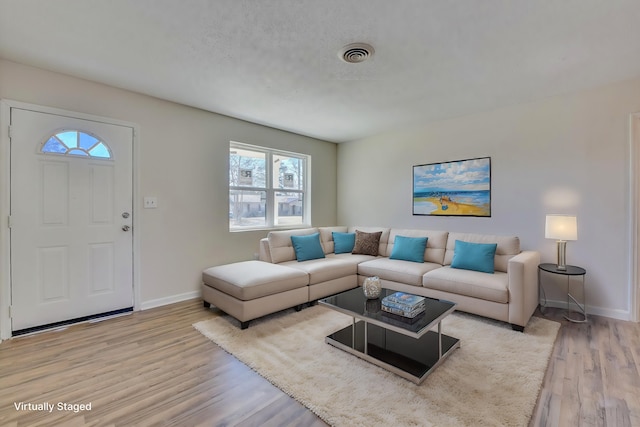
[[76, 143], [267, 188]]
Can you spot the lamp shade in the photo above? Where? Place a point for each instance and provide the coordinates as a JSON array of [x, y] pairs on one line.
[[561, 227]]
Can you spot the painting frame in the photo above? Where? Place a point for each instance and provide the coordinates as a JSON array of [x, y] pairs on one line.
[[453, 188]]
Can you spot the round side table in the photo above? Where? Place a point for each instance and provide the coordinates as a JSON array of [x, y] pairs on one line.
[[571, 270]]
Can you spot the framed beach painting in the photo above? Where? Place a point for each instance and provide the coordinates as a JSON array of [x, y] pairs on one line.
[[457, 188]]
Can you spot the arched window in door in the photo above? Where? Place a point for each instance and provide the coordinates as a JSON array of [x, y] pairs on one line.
[[76, 143]]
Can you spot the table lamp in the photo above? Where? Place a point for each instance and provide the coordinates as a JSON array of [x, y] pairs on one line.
[[561, 228]]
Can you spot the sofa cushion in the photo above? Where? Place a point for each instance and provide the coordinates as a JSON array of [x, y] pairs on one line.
[[474, 256], [249, 280], [280, 245], [396, 270], [343, 243], [409, 248], [322, 270], [436, 242], [352, 258], [490, 287], [367, 243], [507, 248], [307, 247]]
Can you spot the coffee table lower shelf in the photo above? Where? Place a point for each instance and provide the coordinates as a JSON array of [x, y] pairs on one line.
[[408, 357]]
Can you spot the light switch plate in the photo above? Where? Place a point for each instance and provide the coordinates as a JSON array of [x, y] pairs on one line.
[[150, 202]]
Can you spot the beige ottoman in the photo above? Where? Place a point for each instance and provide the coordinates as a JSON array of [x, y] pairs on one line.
[[251, 289]]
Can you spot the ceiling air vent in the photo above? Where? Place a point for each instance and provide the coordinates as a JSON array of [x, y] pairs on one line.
[[356, 52]]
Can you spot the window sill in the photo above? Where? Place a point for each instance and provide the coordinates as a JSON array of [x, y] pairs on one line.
[[275, 228]]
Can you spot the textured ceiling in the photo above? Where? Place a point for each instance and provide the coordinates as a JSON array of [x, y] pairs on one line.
[[275, 62]]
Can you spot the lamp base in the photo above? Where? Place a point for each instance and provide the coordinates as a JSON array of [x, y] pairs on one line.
[[562, 255]]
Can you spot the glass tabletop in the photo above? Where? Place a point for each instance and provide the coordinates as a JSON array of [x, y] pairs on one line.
[[354, 303]]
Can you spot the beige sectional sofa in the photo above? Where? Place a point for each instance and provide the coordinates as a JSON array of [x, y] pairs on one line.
[[510, 294]]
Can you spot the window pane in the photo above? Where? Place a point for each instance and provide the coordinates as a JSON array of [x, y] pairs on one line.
[[100, 150], [247, 209], [289, 208], [87, 141], [69, 138], [76, 143], [53, 145], [288, 172], [247, 168]]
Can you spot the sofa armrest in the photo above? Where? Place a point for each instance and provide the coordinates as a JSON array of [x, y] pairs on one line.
[[522, 271], [265, 253]]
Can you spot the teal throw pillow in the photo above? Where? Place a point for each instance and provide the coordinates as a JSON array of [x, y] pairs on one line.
[[307, 247], [343, 242], [474, 256], [409, 248]]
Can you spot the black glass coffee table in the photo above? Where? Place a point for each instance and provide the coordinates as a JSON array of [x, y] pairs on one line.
[[407, 347]]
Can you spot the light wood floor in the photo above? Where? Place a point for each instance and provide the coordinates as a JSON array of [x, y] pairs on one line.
[[593, 377], [153, 368]]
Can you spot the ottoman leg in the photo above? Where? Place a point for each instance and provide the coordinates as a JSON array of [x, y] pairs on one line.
[[206, 304], [298, 307], [244, 325]]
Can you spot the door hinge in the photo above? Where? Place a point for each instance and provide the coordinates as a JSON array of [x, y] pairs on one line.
[[10, 312], [9, 222], [10, 131]]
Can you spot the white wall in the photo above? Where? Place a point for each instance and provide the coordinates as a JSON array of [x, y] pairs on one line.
[[183, 162], [567, 154]]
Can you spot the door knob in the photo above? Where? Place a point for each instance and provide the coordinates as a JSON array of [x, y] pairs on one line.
[[125, 228]]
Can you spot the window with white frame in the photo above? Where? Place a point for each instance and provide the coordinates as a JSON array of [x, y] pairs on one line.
[[76, 143], [267, 188]]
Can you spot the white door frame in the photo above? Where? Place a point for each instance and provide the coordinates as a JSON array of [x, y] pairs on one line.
[[5, 193], [634, 213]]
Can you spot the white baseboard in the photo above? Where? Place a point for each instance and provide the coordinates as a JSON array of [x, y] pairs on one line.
[[169, 300], [596, 311]]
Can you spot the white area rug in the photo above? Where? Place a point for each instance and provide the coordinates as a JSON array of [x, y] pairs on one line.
[[493, 379]]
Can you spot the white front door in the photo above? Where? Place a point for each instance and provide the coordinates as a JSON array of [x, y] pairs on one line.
[[71, 218]]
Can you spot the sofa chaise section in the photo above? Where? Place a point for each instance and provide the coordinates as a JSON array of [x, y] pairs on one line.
[[251, 289]]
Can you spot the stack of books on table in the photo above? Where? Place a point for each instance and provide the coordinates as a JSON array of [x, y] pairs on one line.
[[403, 304]]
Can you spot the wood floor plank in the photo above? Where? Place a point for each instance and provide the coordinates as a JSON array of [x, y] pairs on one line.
[[152, 368]]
